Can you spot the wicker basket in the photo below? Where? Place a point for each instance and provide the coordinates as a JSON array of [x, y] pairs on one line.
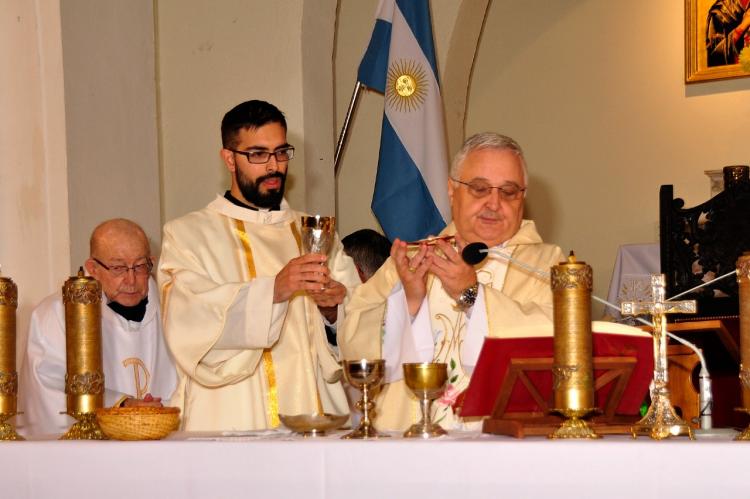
[[138, 423]]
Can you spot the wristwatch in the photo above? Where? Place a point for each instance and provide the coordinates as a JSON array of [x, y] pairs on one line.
[[467, 297]]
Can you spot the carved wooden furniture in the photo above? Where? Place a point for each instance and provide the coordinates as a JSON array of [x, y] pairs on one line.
[[697, 245], [703, 242]]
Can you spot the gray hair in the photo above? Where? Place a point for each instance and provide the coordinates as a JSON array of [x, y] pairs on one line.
[[488, 140]]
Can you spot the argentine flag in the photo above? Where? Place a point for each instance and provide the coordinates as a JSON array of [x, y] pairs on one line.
[[410, 198]]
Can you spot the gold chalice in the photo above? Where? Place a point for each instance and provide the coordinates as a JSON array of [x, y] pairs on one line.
[[365, 375], [317, 234], [427, 382]]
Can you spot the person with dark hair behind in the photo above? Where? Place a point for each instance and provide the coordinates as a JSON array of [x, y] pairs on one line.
[[369, 250]]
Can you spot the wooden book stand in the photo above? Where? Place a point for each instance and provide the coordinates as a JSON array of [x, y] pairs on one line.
[[611, 370], [512, 384]]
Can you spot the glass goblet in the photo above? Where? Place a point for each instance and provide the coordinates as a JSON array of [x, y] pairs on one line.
[[317, 234]]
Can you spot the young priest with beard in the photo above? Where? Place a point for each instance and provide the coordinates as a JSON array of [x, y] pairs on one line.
[[244, 310], [138, 370]]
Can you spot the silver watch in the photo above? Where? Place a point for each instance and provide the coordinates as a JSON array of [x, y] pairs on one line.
[[467, 297]]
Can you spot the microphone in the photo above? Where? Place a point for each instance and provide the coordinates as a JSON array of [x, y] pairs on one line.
[[474, 253]]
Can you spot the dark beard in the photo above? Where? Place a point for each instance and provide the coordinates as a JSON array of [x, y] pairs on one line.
[[251, 192]]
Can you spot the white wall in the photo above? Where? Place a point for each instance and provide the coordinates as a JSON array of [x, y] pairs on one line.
[[594, 91], [34, 249], [212, 56], [110, 111]]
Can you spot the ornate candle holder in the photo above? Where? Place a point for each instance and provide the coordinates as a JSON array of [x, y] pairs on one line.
[[743, 281], [365, 375], [8, 374], [84, 377], [573, 368], [661, 421], [427, 381]]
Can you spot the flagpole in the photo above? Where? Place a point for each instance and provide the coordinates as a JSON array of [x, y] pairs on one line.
[[345, 128]]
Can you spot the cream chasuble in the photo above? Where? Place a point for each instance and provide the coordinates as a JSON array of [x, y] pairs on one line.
[[512, 302], [243, 360]]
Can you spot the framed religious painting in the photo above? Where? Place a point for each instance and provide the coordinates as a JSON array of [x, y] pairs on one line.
[[717, 39]]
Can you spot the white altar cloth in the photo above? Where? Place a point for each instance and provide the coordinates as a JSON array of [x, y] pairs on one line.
[[464, 466]]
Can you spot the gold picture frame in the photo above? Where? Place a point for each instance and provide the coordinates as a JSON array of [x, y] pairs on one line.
[[697, 67]]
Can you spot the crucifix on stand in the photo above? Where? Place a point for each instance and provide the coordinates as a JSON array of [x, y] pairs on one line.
[[660, 421]]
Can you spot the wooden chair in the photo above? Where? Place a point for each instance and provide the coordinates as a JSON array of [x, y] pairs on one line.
[[703, 242], [698, 244]]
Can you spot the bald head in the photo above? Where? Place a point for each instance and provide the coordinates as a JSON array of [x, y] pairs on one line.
[[115, 245], [118, 229]]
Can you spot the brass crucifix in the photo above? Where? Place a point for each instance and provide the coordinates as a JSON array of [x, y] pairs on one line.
[[660, 421]]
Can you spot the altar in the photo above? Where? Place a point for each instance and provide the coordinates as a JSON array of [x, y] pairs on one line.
[[279, 464]]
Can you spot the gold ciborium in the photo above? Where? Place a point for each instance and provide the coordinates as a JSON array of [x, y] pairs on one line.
[[366, 376], [317, 234], [8, 374], [84, 373], [427, 381]]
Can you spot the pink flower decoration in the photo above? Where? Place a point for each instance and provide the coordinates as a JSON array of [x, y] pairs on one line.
[[450, 395]]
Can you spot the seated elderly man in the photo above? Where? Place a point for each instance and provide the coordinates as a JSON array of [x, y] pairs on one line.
[[138, 369], [439, 308]]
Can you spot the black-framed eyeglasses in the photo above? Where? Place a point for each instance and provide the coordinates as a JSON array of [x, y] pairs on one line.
[[259, 156], [118, 270], [480, 189]]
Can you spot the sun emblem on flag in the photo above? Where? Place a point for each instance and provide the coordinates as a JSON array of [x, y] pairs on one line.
[[407, 86]]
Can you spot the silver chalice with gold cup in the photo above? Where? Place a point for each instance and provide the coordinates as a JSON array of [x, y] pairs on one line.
[[426, 381], [366, 376]]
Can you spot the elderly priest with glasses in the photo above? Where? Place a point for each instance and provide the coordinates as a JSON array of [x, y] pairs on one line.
[[138, 370], [244, 311], [427, 305]]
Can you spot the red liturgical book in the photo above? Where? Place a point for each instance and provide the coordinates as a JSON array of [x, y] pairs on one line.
[[513, 376]]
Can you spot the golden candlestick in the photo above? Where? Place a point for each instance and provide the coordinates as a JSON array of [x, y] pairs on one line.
[[84, 377], [8, 374], [743, 281], [573, 367]]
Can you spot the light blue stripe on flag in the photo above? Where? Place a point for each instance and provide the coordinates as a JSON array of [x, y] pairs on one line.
[[409, 193], [410, 198]]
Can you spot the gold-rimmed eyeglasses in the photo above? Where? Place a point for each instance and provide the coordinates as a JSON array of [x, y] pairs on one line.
[[259, 156], [118, 270], [480, 189]]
